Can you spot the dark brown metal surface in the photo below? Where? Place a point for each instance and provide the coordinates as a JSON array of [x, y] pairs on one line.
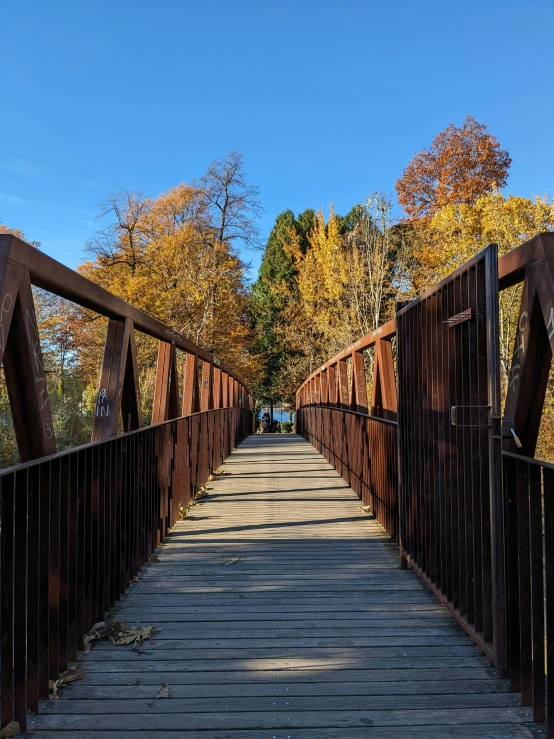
[[529, 491], [450, 497]]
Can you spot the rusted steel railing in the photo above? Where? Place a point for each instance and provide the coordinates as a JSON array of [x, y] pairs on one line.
[[332, 414], [529, 490], [450, 497], [21, 266], [363, 450], [77, 526], [457, 487]]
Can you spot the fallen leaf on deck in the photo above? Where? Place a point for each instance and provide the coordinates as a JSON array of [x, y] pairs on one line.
[[365, 508], [10, 730], [122, 636], [138, 681], [98, 631], [163, 692], [154, 558], [69, 676], [118, 633], [136, 579], [230, 561]]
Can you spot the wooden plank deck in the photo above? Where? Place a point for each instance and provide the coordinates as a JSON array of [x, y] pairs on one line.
[[284, 615]]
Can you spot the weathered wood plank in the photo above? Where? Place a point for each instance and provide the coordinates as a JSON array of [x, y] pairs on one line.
[[486, 731], [280, 662], [275, 678], [280, 720], [268, 689], [320, 704]]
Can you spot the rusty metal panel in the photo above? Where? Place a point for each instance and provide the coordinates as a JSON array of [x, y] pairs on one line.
[[450, 472]]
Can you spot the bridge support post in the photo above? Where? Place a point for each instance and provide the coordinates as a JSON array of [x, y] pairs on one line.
[[118, 390], [21, 355]]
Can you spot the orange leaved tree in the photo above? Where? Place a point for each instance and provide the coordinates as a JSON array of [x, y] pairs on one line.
[[461, 165]]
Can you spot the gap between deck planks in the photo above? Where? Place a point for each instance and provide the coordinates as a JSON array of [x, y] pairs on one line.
[[313, 631]]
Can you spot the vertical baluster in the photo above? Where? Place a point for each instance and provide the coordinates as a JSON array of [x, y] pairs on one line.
[[65, 478], [537, 590], [7, 602], [33, 585]]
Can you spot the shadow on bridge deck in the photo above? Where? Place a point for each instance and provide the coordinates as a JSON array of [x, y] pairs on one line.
[[283, 614]]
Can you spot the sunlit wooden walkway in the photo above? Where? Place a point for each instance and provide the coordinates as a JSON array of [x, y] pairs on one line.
[[283, 614]]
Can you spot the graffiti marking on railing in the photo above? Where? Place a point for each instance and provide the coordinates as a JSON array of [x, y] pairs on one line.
[[550, 324], [34, 341], [43, 397], [5, 308], [519, 348], [102, 408], [47, 426]]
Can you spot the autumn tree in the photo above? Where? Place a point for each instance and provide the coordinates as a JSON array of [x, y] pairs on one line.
[[461, 165], [457, 232], [14, 231], [275, 288], [173, 257], [123, 236], [346, 284], [233, 202]]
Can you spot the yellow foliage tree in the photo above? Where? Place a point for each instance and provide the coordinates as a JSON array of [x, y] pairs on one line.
[[14, 231], [458, 232], [344, 286]]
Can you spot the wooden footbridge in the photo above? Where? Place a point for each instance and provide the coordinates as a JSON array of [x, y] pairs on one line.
[[388, 570]]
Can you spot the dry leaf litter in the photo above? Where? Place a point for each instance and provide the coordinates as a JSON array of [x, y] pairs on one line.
[[118, 633], [69, 676], [10, 730], [163, 692]]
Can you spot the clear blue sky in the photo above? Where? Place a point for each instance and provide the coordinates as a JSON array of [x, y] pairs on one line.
[[326, 100]]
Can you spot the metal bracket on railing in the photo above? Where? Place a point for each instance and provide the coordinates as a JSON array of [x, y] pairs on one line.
[[455, 408], [465, 315]]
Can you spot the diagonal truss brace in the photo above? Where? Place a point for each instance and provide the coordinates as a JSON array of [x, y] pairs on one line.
[[21, 355]]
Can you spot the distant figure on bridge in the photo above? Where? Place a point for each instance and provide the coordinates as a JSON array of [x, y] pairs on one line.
[[266, 423]]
